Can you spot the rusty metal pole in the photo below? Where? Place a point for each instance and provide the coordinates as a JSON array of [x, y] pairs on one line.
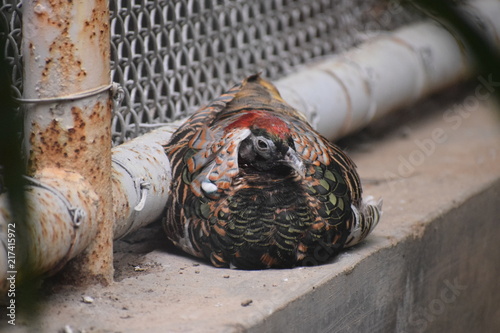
[[66, 50]]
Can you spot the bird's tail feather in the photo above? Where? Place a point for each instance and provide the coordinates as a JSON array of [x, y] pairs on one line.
[[365, 218]]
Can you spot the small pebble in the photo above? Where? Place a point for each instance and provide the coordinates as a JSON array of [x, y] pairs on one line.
[[67, 329], [87, 299], [247, 302]]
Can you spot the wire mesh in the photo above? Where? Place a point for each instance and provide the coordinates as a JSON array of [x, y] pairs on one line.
[[10, 21], [172, 56]]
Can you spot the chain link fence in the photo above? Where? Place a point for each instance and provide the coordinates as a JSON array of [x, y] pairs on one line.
[[172, 56]]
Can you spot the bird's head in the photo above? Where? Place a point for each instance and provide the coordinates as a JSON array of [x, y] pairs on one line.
[[269, 147]]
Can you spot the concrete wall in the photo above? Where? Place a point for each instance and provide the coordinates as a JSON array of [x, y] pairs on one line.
[[445, 280]]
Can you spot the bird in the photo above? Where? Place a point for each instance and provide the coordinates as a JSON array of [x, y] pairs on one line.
[[254, 186]]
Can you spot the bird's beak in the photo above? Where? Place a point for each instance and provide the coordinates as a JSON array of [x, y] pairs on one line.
[[294, 161]]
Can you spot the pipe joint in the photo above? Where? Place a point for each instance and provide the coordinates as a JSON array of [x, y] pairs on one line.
[[61, 209]]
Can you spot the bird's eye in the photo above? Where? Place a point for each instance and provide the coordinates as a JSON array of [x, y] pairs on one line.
[[262, 144]]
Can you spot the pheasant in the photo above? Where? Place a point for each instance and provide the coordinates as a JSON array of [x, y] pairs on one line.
[[254, 186]]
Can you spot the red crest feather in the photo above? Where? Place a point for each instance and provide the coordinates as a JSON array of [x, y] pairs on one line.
[[262, 120]]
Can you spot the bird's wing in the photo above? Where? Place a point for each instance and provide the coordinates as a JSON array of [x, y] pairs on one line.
[[216, 163], [317, 151], [183, 151]]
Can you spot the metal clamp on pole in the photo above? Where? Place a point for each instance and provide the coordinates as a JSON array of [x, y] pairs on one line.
[[66, 98]]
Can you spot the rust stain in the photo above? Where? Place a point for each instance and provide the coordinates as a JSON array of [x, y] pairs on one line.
[[77, 117], [62, 58], [96, 27], [63, 147], [58, 220]]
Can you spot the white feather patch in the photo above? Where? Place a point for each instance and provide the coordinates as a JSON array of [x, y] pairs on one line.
[[208, 187]]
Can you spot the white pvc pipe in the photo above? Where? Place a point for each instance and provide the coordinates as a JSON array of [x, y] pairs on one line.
[[346, 92], [141, 179]]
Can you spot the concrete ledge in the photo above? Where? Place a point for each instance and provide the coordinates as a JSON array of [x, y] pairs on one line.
[[431, 265]]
